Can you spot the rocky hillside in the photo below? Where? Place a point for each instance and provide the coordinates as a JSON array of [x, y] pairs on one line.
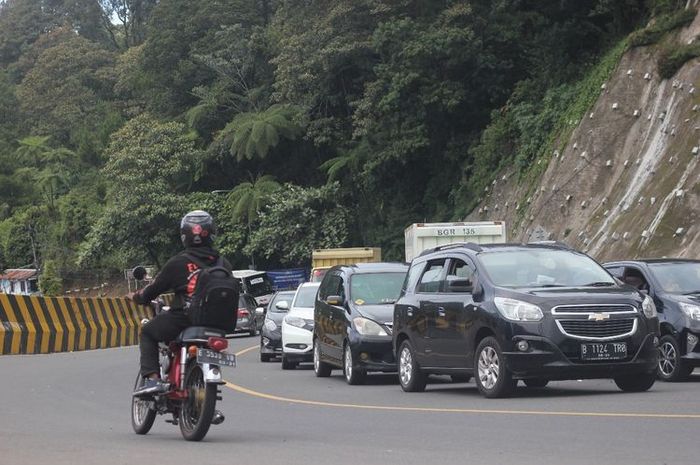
[[626, 182]]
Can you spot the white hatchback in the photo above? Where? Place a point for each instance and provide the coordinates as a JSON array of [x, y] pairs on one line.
[[298, 327]]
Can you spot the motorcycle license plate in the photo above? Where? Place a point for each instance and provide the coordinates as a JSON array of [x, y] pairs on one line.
[[216, 358]]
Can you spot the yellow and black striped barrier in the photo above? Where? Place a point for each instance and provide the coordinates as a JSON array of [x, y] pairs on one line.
[[40, 325]]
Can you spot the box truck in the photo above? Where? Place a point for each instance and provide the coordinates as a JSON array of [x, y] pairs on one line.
[[323, 259], [422, 236]]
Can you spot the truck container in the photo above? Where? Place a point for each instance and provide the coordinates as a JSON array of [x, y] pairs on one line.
[[423, 236], [322, 259]]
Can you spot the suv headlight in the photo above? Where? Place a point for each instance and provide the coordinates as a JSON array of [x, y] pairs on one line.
[[295, 321], [270, 325], [518, 310], [692, 311], [368, 327], [648, 307]]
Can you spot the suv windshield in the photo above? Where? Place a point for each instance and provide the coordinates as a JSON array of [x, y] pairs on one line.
[[678, 277], [375, 288], [258, 285], [543, 268], [305, 297]]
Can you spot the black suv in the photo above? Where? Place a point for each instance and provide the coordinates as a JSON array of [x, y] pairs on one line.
[[674, 284], [536, 312], [353, 314]]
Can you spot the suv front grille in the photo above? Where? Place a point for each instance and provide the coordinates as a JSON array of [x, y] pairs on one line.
[[583, 309], [598, 330]]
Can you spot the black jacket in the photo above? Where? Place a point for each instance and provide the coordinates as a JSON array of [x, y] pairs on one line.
[[175, 274]]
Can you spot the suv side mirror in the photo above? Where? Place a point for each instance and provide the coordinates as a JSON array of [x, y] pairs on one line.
[[334, 300], [478, 292], [282, 305], [460, 285]]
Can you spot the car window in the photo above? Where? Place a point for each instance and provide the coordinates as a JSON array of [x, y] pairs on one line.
[[330, 286], [305, 296], [678, 277], [634, 277], [459, 270], [540, 267], [375, 288], [281, 297], [615, 271], [431, 279], [414, 274]]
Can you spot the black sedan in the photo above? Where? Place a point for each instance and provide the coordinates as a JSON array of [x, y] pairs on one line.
[[271, 332]]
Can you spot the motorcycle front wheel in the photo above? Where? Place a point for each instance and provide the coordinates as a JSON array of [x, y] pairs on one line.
[[197, 410], [143, 413]]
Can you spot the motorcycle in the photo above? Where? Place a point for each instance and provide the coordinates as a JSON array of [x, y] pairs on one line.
[[191, 368]]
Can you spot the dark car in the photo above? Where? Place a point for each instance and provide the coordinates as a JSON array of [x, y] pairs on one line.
[[533, 312], [674, 284], [271, 332], [353, 315], [250, 316]]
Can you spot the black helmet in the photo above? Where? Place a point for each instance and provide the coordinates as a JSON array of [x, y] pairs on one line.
[[197, 228]]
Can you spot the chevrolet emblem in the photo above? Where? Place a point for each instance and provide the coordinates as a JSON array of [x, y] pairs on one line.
[[599, 316]]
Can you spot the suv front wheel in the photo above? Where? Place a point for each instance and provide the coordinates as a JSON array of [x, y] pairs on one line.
[[492, 377], [411, 377]]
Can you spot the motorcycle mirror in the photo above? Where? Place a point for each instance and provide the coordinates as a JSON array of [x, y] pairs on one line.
[[139, 273]]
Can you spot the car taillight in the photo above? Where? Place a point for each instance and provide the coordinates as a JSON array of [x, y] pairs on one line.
[[218, 343], [243, 313]]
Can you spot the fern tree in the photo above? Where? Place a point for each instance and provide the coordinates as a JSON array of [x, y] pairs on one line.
[[253, 134]]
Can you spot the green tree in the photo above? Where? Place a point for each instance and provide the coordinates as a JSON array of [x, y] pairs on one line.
[[296, 220], [151, 166], [64, 88], [50, 282], [254, 134]]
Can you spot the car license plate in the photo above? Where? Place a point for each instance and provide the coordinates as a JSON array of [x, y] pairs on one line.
[[603, 351], [216, 358]]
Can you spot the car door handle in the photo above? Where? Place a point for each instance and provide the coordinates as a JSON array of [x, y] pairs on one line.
[[441, 311]]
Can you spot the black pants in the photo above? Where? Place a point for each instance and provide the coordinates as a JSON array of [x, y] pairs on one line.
[[163, 328]]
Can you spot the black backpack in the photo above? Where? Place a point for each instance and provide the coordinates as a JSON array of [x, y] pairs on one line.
[[214, 300]]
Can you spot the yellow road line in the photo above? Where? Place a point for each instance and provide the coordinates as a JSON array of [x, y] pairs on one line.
[[263, 395]]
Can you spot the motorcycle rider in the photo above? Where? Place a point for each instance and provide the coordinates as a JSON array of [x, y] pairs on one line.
[[197, 232]]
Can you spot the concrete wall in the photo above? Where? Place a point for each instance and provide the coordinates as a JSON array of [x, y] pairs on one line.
[[34, 325]]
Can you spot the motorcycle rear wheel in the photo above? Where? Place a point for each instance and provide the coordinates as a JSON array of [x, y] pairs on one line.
[[142, 413], [197, 410]]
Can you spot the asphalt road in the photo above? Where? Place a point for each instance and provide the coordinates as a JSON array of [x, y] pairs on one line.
[[74, 408]]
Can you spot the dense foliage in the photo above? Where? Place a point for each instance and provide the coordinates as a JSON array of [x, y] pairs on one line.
[[298, 123]]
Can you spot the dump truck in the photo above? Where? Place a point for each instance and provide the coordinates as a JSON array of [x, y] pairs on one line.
[[422, 236], [323, 259]]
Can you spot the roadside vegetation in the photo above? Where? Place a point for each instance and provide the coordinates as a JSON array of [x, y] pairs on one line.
[[298, 124]]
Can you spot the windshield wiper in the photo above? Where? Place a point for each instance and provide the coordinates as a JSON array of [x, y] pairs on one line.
[[691, 293], [599, 284]]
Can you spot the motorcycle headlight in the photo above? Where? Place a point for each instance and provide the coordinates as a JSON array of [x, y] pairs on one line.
[[518, 310], [648, 307], [295, 321], [368, 327], [692, 311], [270, 325]]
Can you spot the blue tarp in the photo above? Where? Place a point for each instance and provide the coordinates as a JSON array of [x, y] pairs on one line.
[[288, 279]]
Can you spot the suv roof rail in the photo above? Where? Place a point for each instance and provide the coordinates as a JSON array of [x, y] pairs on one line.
[[555, 244], [467, 245]]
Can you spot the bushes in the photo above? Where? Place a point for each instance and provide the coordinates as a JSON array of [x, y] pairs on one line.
[[663, 24], [50, 281], [672, 58]]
